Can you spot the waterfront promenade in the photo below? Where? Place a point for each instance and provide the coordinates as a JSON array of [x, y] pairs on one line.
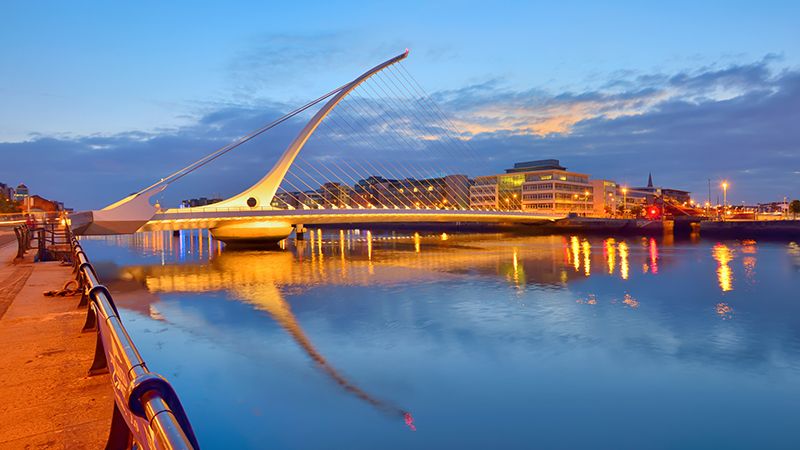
[[49, 400]]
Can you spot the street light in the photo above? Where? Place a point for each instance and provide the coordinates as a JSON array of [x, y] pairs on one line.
[[724, 197], [624, 202]]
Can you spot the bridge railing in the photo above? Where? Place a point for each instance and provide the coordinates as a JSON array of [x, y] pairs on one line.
[[23, 234], [147, 411], [212, 208]]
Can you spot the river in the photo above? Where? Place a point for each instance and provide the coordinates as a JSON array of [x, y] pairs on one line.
[[395, 340]]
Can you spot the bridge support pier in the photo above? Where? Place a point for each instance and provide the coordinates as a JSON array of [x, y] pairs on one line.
[[299, 232]]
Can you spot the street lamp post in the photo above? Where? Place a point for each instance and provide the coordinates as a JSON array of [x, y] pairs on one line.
[[724, 198], [624, 202]]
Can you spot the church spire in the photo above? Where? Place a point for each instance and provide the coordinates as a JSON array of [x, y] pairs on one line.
[[650, 180]]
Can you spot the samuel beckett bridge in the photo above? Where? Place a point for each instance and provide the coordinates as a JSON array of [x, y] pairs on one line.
[[384, 162]]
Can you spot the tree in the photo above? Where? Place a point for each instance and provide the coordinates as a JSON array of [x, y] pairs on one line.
[[794, 208], [8, 206], [636, 211]]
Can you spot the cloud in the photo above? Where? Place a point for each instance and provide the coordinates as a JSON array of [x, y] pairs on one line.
[[488, 108], [737, 122]]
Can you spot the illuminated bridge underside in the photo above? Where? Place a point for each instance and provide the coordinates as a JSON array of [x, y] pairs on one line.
[[282, 221]]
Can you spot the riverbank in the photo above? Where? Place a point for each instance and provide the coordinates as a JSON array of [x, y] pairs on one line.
[[746, 229], [50, 401]]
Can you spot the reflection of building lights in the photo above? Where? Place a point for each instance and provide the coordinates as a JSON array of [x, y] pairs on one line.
[[653, 256], [517, 268], [623, 260], [341, 243], [749, 248], [587, 263], [749, 268], [416, 242], [444, 236], [611, 255], [576, 250], [723, 255], [724, 311]]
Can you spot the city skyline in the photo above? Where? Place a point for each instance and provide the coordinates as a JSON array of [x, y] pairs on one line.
[[704, 106]]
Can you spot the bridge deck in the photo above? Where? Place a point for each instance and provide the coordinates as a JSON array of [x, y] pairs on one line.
[[208, 217], [49, 400]]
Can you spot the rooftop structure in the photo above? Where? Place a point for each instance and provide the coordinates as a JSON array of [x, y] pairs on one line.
[[539, 164]]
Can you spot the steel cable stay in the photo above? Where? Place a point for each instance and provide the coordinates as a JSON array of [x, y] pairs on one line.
[[421, 121], [421, 173], [366, 173], [373, 171], [177, 175], [424, 100], [313, 180], [397, 172], [338, 167], [335, 163], [426, 124], [416, 172], [448, 127], [402, 178]]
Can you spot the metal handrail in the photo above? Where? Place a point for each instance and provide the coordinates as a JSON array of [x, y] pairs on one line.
[[147, 410], [23, 239]]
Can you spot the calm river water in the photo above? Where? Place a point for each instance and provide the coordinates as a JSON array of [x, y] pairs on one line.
[[352, 340]]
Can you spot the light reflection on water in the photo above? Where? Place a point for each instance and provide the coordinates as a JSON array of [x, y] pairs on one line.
[[481, 337], [723, 255]]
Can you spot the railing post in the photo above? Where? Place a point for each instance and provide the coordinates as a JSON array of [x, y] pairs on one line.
[[100, 363], [91, 318], [120, 436]]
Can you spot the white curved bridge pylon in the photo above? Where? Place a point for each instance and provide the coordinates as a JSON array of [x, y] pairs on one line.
[[261, 193], [131, 213]]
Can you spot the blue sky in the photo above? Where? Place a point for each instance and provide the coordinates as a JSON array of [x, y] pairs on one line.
[[579, 81]]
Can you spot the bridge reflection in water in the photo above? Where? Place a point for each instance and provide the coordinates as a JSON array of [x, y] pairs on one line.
[[195, 262], [356, 258]]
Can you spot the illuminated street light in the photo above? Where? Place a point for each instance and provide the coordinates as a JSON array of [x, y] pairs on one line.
[[624, 202], [724, 196]]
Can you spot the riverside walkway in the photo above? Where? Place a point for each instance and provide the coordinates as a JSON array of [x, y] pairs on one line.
[[49, 401]]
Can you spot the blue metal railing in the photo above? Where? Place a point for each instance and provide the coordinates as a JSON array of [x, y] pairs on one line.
[[23, 234], [147, 411]]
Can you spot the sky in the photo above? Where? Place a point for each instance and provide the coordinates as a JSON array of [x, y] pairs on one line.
[[99, 99]]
